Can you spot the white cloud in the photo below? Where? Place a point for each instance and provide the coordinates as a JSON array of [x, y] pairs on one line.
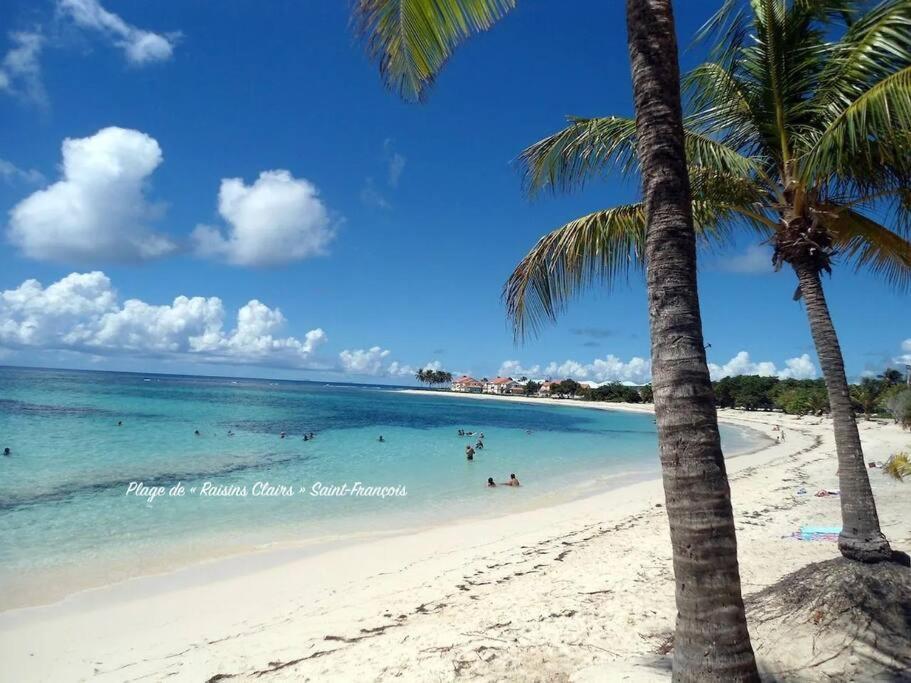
[[608, 369], [9, 173], [638, 370], [801, 367], [276, 220], [20, 69], [98, 210], [514, 368], [364, 361], [81, 312], [375, 363], [139, 46], [905, 358], [756, 259]]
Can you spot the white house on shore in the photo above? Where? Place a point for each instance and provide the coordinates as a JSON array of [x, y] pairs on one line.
[[546, 387], [467, 384], [500, 385]]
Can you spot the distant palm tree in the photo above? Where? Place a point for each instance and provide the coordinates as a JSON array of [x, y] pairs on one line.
[[411, 40], [866, 394], [799, 128]]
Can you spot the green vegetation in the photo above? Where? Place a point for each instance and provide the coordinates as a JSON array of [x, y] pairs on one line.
[[433, 377], [881, 395], [613, 393], [898, 466]]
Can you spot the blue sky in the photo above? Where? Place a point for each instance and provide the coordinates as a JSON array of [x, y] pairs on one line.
[[385, 229]]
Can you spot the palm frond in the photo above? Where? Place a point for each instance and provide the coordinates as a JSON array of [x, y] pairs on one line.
[[412, 39], [589, 147], [867, 244], [877, 122], [600, 248], [876, 45], [898, 466]]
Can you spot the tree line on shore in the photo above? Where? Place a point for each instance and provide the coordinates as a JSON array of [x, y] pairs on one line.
[[885, 395], [433, 378]]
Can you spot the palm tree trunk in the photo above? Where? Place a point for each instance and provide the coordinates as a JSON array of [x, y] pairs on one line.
[[860, 538], [711, 642]]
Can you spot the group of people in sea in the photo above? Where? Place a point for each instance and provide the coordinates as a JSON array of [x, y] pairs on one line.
[[513, 481], [479, 445]]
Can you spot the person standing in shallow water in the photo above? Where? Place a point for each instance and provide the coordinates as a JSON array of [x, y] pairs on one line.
[[491, 483], [469, 453]]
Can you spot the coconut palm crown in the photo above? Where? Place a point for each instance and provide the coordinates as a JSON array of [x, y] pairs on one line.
[[797, 129]]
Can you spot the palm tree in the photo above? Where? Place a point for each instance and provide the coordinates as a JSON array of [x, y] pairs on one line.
[[866, 394], [411, 40], [798, 129]]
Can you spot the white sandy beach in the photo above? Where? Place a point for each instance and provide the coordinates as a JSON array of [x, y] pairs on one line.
[[581, 591]]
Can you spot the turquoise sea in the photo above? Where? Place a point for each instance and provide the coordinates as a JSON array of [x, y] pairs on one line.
[[80, 439]]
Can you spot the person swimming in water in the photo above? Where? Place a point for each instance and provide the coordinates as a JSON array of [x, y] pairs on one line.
[[491, 483], [7, 451], [469, 453], [513, 481], [120, 423], [282, 435], [306, 438], [381, 439], [479, 445], [196, 432]]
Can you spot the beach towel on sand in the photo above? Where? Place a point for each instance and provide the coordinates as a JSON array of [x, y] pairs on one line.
[[817, 533]]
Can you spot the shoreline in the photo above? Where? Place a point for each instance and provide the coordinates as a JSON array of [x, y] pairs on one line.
[[236, 558], [343, 613]]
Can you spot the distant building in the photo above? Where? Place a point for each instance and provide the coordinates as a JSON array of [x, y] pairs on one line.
[[546, 387], [500, 385], [467, 384]]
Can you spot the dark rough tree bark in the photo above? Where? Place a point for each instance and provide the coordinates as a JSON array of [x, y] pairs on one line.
[[860, 538], [712, 642]]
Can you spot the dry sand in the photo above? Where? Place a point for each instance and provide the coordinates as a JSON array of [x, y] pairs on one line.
[[581, 591]]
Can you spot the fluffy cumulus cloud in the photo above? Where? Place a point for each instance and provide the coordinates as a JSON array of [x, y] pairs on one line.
[[20, 68], [364, 361], [276, 220], [82, 312], [375, 362], [639, 371], [139, 45], [608, 369], [801, 367], [97, 211]]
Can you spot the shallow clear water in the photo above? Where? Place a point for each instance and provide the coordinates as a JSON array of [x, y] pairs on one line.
[[65, 516]]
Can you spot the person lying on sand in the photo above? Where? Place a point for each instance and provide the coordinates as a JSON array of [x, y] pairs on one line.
[[491, 483]]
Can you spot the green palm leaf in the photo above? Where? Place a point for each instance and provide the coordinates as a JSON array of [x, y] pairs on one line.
[[590, 146], [412, 39], [880, 116], [868, 245], [600, 249]]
